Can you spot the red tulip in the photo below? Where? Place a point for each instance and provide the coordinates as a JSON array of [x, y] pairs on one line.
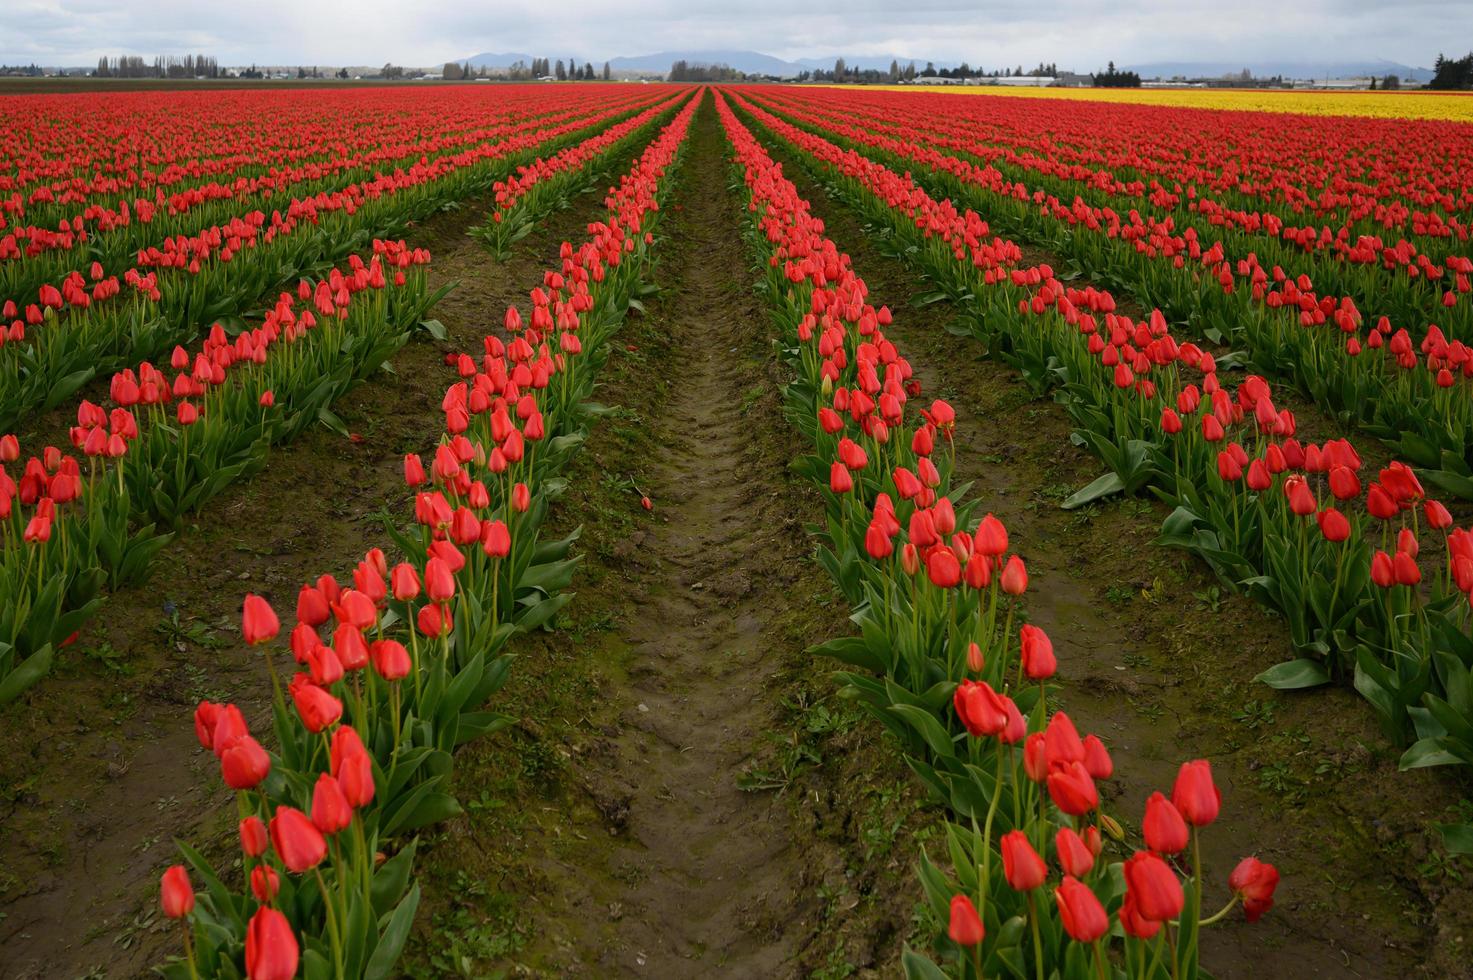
[[965, 928], [1073, 854], [353, 769], [244, 764], [258, 623], [1062, 741], [312, 607], [1081, 913], [390, 659], [1405, 569], [1134, 923], [1437, 515], [317, 708], [1097, 761], [981, 709], [495, 539], [943, 569], [1164, 829], [330, 809], [298, 842], [521, 498], [1038, 653], [1072, 789], [270, 948], [439, 581], [1344, 484], [1015, 577], [1333, 525], [1035, 757], [1254, 881], [1153, 887], [414, 471], [405, 582], [253, 836], [176, 893], [991, 537], [877, 543], [265, 883], [1195, 794], [1380, 504], [1021, 865], [1383, 573]]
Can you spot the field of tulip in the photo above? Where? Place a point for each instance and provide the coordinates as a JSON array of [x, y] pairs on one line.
[[313, 374]]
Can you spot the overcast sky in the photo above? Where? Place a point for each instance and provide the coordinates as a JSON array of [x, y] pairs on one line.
[[1080, 34]]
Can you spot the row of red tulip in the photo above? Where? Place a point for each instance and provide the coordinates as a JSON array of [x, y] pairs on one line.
[[1326, 252], [936, 599], [522, 198], [56, 344], [380, 702], [1422, 405], [1244, 487], [36, 253], [174, 437], [1363, 175]]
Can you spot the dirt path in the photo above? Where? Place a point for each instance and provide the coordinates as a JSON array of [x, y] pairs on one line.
[[1158, 658], [684, 795], [89, 811]]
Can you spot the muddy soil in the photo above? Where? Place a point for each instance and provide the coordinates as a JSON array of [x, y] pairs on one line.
[[696, 801], [1158, 658], [89, 812]]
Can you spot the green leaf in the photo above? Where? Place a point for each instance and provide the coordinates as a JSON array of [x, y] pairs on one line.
[[30, 670], [918, 967], [391, 942], [434, 328], [929, 728], [1426, 753], [1295, 675], [330, 419], [1106, 485], [1456, 837]]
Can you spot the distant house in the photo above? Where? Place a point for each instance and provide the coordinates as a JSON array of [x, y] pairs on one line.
[[937, 80], [1068, 79], [1024, 81]]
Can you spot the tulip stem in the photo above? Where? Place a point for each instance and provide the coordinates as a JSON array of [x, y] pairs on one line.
[[1221, 913], [332, 921], [984, 884], [189, 949], [1037, 939], [1100, 959]]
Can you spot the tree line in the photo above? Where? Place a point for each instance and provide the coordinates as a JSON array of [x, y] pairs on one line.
[[164, 66]]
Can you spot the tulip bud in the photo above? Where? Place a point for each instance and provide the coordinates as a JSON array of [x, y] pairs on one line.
[[1014, 577], [176, 893], [298, 842], [1080, 911], [265, 883], [1074, 855], [1021, 865], [258, 621], [1163, 827], [965, 927], [271, 951], [1195, 794], [1153, 887], [1037, 652], [253, 836]]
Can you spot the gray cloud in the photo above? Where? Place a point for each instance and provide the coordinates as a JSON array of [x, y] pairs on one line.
[[1074, 33]]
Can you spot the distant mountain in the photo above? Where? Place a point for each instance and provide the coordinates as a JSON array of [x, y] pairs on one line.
[[488, 60], [1380, 67]]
